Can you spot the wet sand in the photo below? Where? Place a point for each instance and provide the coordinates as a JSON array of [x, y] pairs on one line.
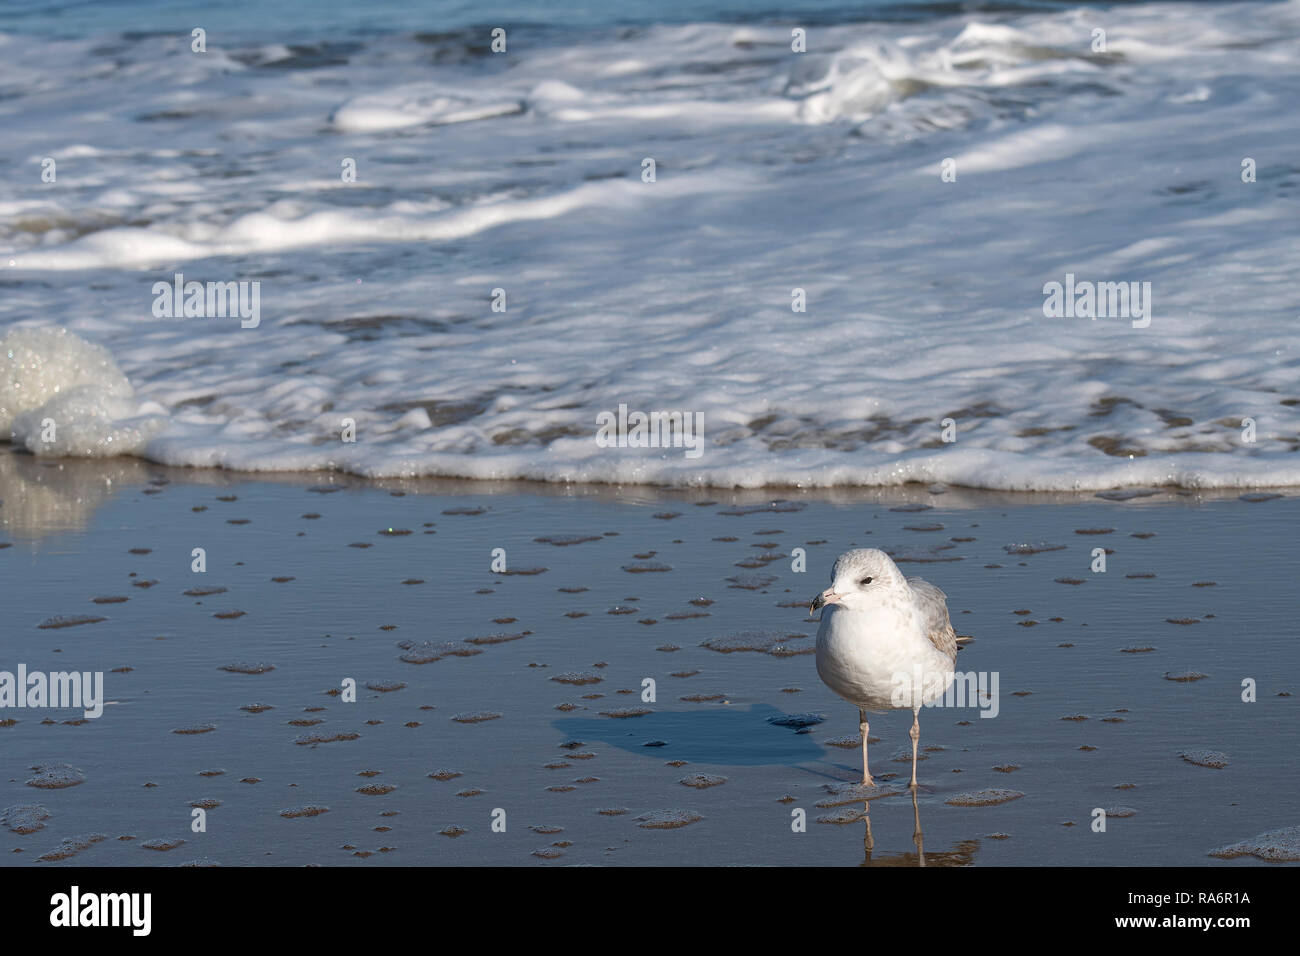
[[480, 692]]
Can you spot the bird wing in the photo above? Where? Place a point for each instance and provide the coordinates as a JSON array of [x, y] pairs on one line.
[[933, 606]]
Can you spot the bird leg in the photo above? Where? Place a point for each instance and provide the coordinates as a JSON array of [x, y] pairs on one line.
[[916, 736], [864, 727]]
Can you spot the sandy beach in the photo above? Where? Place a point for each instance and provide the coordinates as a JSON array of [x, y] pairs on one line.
[[490, 433], [520, 696]]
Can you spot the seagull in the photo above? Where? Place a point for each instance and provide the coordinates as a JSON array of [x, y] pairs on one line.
[[885, 641]]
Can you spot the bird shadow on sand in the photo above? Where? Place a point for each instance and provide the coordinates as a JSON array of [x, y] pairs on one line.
[[728, 736]]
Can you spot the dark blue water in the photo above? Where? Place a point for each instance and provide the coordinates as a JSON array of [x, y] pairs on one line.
[[286, 20]]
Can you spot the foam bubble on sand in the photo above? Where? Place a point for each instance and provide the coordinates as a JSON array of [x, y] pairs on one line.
[[702, 781], [983, 798], [753, 640], [161, 845], [567, 540], [797, 721], [498, 638], [24, 819], [841, 794], [667, 819], [645, 567], [59, 621], [623, 713], [577, 678], [48, 375], [191, 729], [841, 815], [247, 667], [1279, 845], [426, 652], [56, 776], [323, 737], [1032, 547], [70, 847], [1206, 758]]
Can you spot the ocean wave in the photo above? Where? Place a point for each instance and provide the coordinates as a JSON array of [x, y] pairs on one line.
[[689, 219]]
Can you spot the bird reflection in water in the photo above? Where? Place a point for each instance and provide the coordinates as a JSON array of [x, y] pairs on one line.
[[962, 854]]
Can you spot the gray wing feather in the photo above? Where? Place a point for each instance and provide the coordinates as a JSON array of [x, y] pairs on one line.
[[933, 606]]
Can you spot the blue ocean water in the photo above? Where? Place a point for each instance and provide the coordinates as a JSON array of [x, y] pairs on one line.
[[316, 18]]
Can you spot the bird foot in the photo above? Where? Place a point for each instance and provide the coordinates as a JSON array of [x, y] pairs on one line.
[[868, 782]]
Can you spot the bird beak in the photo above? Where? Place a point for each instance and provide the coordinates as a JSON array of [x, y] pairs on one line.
[[826, 597]]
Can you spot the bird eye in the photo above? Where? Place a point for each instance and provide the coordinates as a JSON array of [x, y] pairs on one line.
[[865, 581]]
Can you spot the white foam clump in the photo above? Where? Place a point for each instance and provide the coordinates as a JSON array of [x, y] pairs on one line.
[[55, 385]]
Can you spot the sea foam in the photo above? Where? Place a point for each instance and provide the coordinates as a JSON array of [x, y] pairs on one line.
[[839, 261], [62, 396]]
